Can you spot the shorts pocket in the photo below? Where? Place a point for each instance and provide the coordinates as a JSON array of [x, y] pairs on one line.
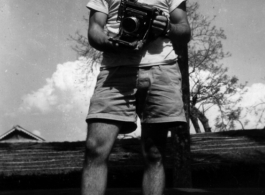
[[171, 74]]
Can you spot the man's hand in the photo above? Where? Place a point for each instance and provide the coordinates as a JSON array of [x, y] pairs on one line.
[[177, 28], [113, 44], [159, 25]]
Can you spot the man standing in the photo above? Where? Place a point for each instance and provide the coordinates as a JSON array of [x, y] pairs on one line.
[[146, 83]]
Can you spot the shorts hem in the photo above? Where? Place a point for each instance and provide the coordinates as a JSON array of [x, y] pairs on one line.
[[110, 117], [164, 120]]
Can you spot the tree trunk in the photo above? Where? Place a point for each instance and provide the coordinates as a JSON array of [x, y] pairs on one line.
[[181, 140], [204, 120], [194, 119], [181, 158], [196, 115]]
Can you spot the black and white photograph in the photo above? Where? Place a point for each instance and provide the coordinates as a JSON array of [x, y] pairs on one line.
[[114, 97]]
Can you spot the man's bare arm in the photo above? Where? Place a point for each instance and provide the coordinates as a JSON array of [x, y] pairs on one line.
[[96, 35], [179, 32], [180, 29]]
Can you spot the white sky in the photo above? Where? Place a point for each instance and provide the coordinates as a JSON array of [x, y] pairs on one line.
[[39, 71]]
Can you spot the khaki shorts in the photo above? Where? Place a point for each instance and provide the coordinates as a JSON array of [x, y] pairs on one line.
[[153, 93]]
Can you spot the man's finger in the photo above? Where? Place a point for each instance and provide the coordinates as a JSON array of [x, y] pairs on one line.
[[159, 24], [156, 28], [161, 18]]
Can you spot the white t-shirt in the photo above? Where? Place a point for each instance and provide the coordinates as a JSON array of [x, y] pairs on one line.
[[159, 51]]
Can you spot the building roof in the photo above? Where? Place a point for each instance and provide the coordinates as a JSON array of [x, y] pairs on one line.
[[19, 129]]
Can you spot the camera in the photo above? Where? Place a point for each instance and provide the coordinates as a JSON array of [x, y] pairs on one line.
[[135, 24]]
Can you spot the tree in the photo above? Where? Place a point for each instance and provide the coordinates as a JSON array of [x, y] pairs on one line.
[[210, 84]]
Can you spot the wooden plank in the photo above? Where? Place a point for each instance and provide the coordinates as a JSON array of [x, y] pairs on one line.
[[179, 191], [13, 159], [227, 158]]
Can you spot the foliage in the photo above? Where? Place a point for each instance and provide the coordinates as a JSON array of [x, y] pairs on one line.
[[83, 48], [259, 111]]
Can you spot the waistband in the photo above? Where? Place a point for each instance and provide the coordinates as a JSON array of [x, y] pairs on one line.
[[164, 62]]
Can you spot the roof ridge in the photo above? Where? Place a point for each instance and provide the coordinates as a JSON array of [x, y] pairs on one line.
[[19, 128]]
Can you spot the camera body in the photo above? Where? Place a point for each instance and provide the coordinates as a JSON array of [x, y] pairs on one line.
[[135, 24]]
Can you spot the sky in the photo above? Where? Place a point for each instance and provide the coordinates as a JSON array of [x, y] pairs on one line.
[[245, 29], [45, 87]]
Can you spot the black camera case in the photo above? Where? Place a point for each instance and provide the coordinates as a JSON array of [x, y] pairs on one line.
[[135, 24]]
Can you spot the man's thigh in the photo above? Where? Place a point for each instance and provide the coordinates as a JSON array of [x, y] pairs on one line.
[[163, 102], [114, 97]]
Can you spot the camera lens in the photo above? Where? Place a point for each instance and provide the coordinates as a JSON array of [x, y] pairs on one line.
[[130, 24]]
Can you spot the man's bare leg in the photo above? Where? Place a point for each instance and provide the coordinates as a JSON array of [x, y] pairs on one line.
[[153, 146], [100, 139]]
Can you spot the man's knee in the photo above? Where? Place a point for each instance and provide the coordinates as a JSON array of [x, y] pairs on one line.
[[152, 154], [93, 148], [96, 152], [97, 148], [100, 138]]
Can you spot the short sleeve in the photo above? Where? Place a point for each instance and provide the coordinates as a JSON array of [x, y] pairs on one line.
[[98, 5], [173, 4]]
